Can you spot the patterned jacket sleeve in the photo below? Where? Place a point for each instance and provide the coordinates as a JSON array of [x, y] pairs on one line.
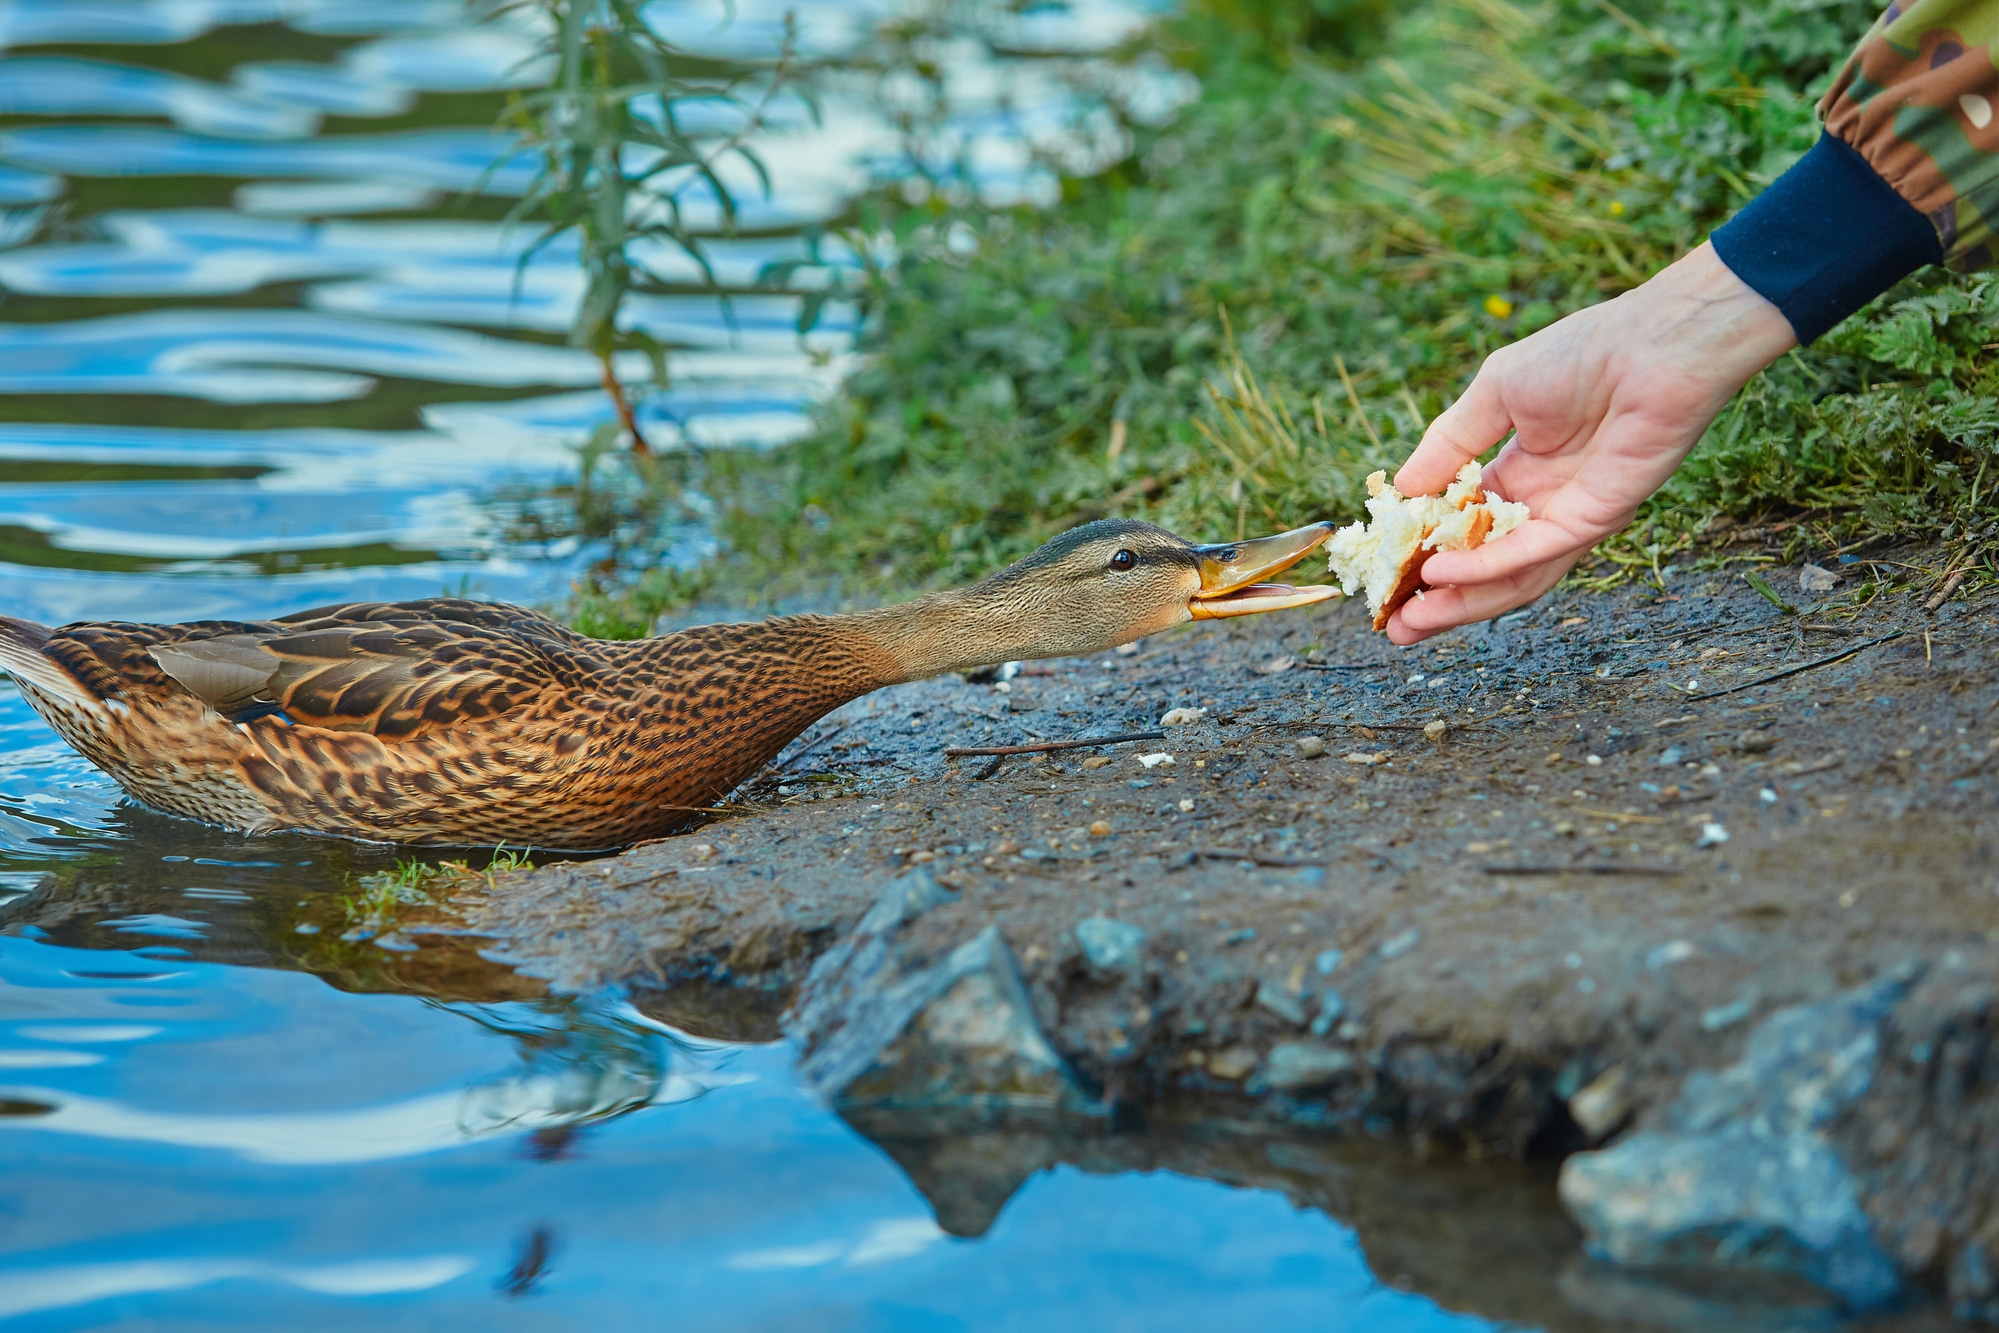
[[1919, 101], [1905, 175]]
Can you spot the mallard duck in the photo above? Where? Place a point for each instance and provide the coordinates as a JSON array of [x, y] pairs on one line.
[[451, 722]]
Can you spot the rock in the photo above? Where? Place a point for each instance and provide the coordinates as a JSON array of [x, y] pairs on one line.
[[1814, 579], [876, 1028], [1182, 717], [1100, 828], [1332, 1008], [1437, 728], [1275, 666], [1739, 1172], [1156, 759], [1233, 1063], [1397, 945], [1110, 947], [1601, 1107], [1756, 742], [1098, 761], [1304, 1066], [1311, 747], [1327, 962], [1712, 835], [1279, 1001]]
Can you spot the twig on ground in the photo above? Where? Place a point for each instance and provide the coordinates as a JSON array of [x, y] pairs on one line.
[[1950, 585], [1840, 656], [1038, 747], [1234, 854]]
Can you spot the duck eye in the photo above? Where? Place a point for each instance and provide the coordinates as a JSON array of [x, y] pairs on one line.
[[1123, 560]]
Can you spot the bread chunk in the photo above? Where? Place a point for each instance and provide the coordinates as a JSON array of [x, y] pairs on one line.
[[1386, 555]]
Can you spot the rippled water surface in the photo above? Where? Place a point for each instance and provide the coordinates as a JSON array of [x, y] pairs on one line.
[[259, 351]]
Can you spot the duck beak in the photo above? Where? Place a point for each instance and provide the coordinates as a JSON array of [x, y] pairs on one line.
[[1232, 574]]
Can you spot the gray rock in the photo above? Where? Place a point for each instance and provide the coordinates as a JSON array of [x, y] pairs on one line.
[[884, 1026], [1304, 1066], [1111, 947], [1277, 1000], [1740, 1173]]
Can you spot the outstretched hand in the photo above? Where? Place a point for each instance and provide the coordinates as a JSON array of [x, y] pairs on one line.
[[1603, 405]]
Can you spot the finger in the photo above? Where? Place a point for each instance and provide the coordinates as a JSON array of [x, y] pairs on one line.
[[1439, 609], [1534, 543], [1467, 429]]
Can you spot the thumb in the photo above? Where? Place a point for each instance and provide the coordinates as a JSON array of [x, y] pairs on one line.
[[1466, 429]]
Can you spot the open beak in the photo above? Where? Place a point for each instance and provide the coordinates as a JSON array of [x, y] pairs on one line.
[[1232, 574]]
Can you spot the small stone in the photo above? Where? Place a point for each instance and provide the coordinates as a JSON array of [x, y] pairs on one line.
[[1593, 760], [1812, 578], [1186, 805], [1604, 1104], [1477, 848], [1100, 828], [1182, 717], [1129, 649], [1275, 666], [1673, 951], [1110, 946], [1328, 962], [1281, 1002], [1712, 835], [1332, 1008], [1311, 747], [1233, 1063], [1768, 796], [1304, 1066], [1366, 757], [1564, 829], [1727, 1015], [1243, 936], [1155, 760], [702, 851], [1756, 742], [1671, 756], [1098, 761], [1397, 945], [1436, 729], [918, 858], [1351, 1030], [1005, 847]]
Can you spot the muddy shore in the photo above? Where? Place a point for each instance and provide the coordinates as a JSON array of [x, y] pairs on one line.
[[1607, 869]]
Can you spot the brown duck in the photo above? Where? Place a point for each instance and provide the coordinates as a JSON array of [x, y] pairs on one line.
[[472, 724]]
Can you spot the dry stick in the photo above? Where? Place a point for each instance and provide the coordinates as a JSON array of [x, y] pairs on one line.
[[1231, 854], [960, 751], [1792, 671], [1950, 586]]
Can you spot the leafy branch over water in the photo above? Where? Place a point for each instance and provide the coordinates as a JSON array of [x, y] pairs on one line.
[[623, 169]]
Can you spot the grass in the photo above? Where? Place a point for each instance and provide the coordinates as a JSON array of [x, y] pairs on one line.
[[380, 898], [1268, 299]]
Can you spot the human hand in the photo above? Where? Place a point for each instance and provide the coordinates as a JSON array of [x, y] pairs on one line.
[[1603, 406]]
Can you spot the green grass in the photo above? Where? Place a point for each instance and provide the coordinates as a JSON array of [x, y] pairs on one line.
[[1266, 300]]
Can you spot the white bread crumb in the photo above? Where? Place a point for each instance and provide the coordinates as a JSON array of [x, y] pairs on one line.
[[1384, 555]]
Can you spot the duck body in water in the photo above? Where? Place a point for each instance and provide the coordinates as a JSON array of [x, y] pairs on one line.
[[459, 723]]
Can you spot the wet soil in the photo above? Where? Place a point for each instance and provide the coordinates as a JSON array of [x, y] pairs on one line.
[[1632, 837]]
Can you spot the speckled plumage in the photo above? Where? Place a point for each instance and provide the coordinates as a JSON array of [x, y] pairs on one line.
[[442, 721]]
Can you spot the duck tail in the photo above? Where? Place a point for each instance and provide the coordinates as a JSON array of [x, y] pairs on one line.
[[21, 656]]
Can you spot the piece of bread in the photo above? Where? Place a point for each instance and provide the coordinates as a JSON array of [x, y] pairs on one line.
[[1386, 555]]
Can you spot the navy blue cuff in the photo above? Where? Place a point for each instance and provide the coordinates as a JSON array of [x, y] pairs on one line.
[[1826, 238]]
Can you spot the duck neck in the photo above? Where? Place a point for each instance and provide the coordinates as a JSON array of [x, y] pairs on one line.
[[954, 631]]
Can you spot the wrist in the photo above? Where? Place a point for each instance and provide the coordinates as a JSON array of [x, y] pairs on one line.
[[1708, 323]]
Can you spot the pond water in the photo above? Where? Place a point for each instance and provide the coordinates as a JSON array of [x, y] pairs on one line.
[[259, 350]]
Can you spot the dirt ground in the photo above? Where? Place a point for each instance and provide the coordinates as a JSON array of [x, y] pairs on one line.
[[1632, 837]]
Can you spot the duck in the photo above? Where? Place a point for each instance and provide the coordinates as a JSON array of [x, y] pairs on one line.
[[448, 722]]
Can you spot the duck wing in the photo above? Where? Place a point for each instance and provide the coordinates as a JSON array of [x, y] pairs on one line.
[[389, 669]]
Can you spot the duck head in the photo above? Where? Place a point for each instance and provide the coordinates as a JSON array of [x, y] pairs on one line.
[[1101, 585]]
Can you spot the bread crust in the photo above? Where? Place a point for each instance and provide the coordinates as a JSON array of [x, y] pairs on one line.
[[1410, 580]]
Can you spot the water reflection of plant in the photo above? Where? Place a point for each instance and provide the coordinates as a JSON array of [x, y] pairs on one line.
[[622, 173]]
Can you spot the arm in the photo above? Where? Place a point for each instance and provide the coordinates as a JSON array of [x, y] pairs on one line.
[[1604, 404]]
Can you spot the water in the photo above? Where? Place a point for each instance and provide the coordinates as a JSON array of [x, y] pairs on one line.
[[258, 353]]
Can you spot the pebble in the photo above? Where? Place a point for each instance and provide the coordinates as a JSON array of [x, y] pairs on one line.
[[1186, 805], [1243, 936], [1311, 747], [1712, 835], [1604, 1104], [1182, 717], [1332, 1008], [1155, 760], [1727, 1015], [1005, 847], [1233, 1063], [1563, 828], [1281, 1002], [1302, 1066], [702, 851], [1397, 945], [1436, 729], [1768, 796], [1671, 756], [1328, 961], [1367, 757], [1100, 828], [1593, 760], [305, 928], [1098, 761], [1673, 951], [1756, 742], [1814, 579], [1110, 945]]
